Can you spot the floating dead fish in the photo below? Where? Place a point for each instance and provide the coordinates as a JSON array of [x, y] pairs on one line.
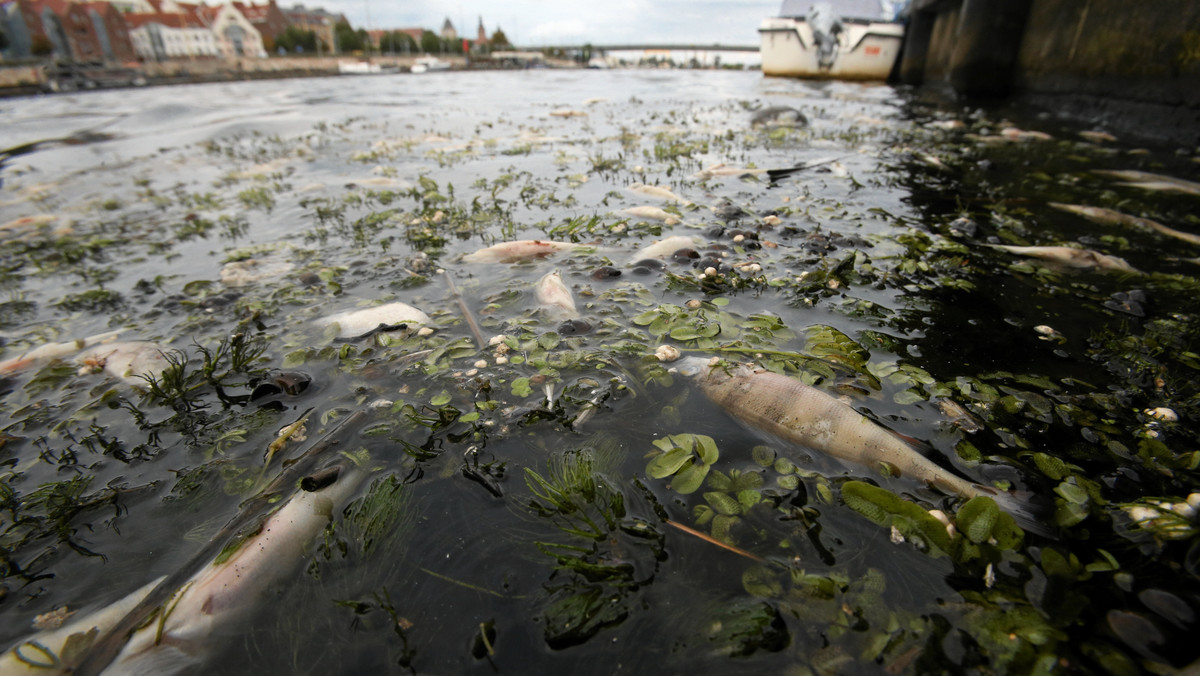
[[568, 113], [55, 351], [663, 248], [652, 213], [519, 250], [355, 323], [1109, 217], [1097, 136], [554, 297], [50, 651], [251, 270], [1070, 257], [725, 170], [1014, 134], [131, 361], [778, 116], [657, 192], [797, 413], [1149, 181], [224, 592]]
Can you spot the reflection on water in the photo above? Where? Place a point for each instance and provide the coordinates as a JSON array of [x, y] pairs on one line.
[[544, 495]]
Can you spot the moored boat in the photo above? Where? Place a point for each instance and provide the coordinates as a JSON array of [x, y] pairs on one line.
[[428, 64], [842, 40]]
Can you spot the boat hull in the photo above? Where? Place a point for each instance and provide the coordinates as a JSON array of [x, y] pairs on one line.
[[866, 50]]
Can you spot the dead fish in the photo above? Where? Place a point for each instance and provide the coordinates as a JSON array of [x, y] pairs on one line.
[[778, 116], [55, 351], [132, 362], [354, 323], [1014, 134], [1149, 181], [652, 213], [663, 248], [567, 113], [794, 412], [1070, 257], [725, 170], [519, 250], [1110, 217], [246, 272], [223, 592], [554, 297], [1097, 136], [44, 651], [656, 192]]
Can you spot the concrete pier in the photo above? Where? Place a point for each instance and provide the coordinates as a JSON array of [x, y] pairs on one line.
[[1139, 62]]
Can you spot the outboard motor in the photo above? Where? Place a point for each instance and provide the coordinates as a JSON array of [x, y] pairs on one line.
[[825, 25]]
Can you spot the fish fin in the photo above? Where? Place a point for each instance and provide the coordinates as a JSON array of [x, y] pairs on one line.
[[1031, 511]]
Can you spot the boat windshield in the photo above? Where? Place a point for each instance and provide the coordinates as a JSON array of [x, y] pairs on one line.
[[848, 9]]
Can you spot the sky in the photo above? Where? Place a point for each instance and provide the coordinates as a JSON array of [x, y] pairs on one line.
[[535, 23]]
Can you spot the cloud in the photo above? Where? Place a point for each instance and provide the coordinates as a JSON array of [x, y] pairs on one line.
[[551, 31]]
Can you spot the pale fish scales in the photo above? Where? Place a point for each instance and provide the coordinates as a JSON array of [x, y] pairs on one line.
[[554, 297], [1110, 217], [655, 191], [663, 248], [222, 593], [1070, 257], [132, 361], [357, 322], [652, 213], [54, 351], [1151, 181], [790, 410], [60, 642], [519, 250]]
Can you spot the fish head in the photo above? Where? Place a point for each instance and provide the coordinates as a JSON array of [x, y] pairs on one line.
[[694, 366]]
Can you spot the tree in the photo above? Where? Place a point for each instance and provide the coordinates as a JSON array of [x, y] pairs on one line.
[[500, 40], [397, 42], [295, 39], [348, 39], [430, 43]]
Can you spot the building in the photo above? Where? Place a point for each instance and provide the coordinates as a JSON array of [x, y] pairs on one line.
[[448, 32], [60, 29], [236, 36], [318, 21], [267, 19], [115, 43], [171, 35]]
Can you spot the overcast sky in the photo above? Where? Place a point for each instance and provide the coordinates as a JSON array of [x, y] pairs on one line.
[[538, 22]]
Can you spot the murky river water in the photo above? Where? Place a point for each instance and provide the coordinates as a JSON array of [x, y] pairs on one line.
[[556, 499]]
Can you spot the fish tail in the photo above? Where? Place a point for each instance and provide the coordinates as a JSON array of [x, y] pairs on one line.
[[1031, 511]]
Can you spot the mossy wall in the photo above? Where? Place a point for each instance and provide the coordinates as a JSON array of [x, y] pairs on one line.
[[1138, 50]]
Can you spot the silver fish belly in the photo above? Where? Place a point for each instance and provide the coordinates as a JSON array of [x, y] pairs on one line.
[[792, 411]]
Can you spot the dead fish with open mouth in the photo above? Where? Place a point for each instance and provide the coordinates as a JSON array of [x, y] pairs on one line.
[[787, 409], [219, 595], [133, 362], [1070, 257], [554, 297], [54, 351]]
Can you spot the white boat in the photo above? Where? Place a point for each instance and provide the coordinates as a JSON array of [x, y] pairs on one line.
[[359, 68], [428, 64], [839, 39]]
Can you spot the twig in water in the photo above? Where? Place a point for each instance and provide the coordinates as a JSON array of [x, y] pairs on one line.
[[713, 540], [466, 313]]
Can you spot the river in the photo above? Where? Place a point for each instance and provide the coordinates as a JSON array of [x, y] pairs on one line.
[[530, 489]]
